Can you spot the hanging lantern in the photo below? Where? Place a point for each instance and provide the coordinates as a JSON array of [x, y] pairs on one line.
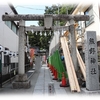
[[1, 48], [6, 52], [10, 54]]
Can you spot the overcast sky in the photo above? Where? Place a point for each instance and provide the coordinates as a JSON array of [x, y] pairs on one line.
[[30, 9], [36, 6]]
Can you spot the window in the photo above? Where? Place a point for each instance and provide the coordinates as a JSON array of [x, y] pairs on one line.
[[79, 27], [12, 26], [89, 12], [8, 23]]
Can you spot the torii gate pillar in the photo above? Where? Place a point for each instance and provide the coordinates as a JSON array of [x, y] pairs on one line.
[[73, 44], [21, 80], [21, 67]]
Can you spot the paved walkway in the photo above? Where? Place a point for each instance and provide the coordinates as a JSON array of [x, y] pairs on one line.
[[43, 80], [40, 78]]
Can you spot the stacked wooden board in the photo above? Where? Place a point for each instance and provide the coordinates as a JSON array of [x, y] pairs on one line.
[[69, 66], [82, 65]]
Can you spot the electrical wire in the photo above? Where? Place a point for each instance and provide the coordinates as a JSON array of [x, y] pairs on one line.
[[30, 8], [23, 7]]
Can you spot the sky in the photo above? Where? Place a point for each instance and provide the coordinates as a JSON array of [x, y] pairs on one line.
[[35, 6], [30, 9]]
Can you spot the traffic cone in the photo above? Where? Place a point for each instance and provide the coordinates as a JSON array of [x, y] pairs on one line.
[[51, 68], [47, 64], [63, 82], [55, 75], [53, 71]]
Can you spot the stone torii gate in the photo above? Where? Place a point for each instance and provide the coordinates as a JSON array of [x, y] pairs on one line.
[[21, 80]]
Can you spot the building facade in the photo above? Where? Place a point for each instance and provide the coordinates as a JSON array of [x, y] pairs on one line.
[[8, 40], [93, 10], [93, 24], [54, 44]]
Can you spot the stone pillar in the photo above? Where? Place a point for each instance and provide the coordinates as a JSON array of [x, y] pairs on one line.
[[73, 44], [21, 80], [91, 61], [21, 60]]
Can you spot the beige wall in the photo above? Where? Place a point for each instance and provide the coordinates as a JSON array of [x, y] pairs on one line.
[[95, 26], [54, 41]]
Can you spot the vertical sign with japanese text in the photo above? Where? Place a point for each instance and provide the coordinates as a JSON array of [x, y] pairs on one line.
[[91, 61]]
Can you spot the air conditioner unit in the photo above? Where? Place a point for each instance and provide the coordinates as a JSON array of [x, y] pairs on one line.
[[6, 52], [1, 48]]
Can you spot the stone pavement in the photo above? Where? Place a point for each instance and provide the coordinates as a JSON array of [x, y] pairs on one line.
[[32, 75], [40, 78], [45, 77]]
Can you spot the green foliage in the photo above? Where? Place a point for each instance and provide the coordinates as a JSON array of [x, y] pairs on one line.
[[57, 9], [42, 41]]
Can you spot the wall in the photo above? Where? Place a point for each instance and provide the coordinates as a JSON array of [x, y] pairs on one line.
[[8, 38], [95, 26], [54, 45]]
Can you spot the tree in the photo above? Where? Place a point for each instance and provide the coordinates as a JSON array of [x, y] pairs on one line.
[[57, 9], [42, 41]]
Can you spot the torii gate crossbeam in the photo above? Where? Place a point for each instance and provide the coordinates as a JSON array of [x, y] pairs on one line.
[[41, 28], [33, 17]]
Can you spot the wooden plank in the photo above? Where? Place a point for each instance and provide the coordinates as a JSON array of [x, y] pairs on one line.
[[82, 65], [69, 70], [71, 81], [69, 65], [66, 33], [72, 68]]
